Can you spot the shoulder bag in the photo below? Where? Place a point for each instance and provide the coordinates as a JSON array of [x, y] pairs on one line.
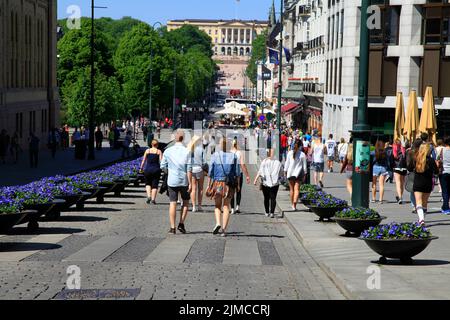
[[409, 185]]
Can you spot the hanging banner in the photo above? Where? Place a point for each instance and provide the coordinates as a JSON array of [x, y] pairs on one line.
[[362, 163]]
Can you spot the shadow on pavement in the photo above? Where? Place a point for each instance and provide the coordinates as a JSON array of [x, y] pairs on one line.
[[95, 209], [81, 219], [415, 262], [242, 234], [44, 230], [24, 246]]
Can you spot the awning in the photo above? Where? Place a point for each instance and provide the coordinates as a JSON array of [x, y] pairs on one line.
[[290, 107], [294, 91]]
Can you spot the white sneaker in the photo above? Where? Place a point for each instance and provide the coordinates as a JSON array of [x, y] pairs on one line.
[[232, 211], [272, 215], [237, 209], [194, 209], [267, 215]]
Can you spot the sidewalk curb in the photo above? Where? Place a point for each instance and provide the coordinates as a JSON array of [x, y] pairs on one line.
[[342, 287]]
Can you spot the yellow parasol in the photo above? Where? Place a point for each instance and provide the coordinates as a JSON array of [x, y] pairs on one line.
[[399, 117], [428, 117], [412, 117]]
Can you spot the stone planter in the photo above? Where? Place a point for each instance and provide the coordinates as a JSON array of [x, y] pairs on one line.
[[97, 192], [325, 213], [403, 249], [40, 210], [356, 226], [9, 220]]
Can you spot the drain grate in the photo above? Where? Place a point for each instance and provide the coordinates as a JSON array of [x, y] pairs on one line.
[[84, 294]]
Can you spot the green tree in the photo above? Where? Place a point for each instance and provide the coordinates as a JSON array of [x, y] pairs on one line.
[[258, 53], [132, 62], [189, 37], [76, 98]]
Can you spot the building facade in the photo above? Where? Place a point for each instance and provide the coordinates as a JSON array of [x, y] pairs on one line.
[[232, 46], [29, 99], [409, 50]]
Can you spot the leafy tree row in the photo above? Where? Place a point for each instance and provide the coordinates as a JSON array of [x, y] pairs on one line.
[[122, 64]]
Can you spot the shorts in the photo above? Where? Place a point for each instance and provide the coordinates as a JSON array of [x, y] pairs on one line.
[[349, 175], [402, 172], [198, 175], [152, 179], [318, 166], [175, 191], [331, 158], [342, 158], [379, 171]]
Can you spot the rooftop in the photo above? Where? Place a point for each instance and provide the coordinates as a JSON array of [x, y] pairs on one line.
[[217, 21]]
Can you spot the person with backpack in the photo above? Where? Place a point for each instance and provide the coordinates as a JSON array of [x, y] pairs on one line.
[[222, 184], [400, 168], [198, 161], [380, 164]]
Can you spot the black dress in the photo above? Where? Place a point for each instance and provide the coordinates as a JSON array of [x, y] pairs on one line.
[[423, 182]]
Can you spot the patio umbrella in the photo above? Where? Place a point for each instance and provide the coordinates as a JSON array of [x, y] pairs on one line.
[[412, 117], [232, 111], [399, 117], [428, 117], [235, 105]]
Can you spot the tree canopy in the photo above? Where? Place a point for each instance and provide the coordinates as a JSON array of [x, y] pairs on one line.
[[123, 50], [258, 54]]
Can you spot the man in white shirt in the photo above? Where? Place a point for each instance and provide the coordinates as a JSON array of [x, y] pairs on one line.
[[177, 161], [331, 147]]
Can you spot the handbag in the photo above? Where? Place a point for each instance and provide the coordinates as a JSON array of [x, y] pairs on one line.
[[409, 185], [230, 182]]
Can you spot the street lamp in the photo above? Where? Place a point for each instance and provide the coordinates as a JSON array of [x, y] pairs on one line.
[[151, 79], [361, 130], [91, 154], [175, 91], [280, 79]]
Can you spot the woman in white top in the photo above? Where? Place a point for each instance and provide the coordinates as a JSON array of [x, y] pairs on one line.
[[270, 173], [342, 150], [197, 157], [295, 170], [318, 149], [242, 169]]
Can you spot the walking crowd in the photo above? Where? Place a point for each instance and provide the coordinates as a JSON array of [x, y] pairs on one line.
[[184, 169]]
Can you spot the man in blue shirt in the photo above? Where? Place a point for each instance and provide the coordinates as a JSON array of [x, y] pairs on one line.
[[176, 161]]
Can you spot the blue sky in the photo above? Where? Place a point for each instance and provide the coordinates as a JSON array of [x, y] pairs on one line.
[[164, 10]]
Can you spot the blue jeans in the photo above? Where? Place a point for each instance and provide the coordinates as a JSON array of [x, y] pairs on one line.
[[444, 179], [379, 171], [413, 199]]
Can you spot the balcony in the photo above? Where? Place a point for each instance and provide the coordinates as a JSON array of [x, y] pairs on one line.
[[304, 11], [311, 87]]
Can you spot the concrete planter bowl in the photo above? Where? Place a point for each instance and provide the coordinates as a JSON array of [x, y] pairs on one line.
[[39, 210], [403, 249], [356, 226], [325, 213], [9, 220], [98, 193]]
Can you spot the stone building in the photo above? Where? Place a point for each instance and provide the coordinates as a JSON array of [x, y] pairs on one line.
[[29, 99], [232, 46]]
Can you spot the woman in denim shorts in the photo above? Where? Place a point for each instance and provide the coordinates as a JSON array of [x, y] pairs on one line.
[[380, 170]]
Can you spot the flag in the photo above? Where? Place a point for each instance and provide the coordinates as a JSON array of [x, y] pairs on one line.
[[273, 56], [288, 54]]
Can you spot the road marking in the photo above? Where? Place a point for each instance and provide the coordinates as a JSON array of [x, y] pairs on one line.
[[30, 247], [171, 250], [99, 249], [244, 252]]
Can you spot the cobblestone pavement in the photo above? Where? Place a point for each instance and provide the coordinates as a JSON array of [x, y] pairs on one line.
[[123, 244]]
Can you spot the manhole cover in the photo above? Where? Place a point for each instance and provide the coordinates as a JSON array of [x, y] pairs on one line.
[[98, 294]]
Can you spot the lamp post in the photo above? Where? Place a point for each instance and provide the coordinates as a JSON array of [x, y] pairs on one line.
[[151, 74], [361, 130], [174, 105], [280, 79], [91, 153]]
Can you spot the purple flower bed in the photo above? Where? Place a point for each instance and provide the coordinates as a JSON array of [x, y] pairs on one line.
[[397, 231], [328, 201], [13, 199]]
